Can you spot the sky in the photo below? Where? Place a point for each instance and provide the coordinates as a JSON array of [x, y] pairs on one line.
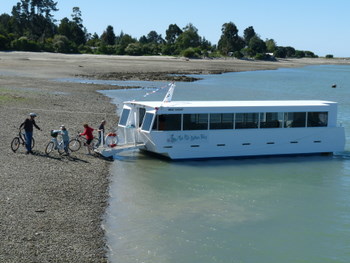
[[320, 26]]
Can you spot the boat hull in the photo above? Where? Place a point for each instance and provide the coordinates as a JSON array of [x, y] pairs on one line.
[[245, 142]]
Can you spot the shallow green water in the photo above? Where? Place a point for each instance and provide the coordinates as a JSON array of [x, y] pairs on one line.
[[276, 209]]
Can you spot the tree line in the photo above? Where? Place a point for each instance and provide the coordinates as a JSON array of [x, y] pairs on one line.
[[32, 27]]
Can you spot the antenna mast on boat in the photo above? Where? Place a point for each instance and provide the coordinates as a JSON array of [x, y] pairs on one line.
[[169, 94]]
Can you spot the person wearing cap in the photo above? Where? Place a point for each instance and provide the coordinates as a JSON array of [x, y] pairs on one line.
[[28, 125]]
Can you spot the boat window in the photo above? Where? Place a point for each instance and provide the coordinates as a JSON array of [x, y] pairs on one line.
[[246, 120], [147, 121], [168, 122], [155, 123], [294, 119], [271, 120], [317, 119], [142, 112], [195, 121], [124, 117], [221, 121]]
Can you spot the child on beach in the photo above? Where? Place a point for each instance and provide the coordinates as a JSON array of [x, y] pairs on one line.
[[65, 137], [88, 135]]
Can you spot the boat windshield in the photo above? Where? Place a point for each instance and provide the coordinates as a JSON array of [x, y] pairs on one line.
[[147, 121], [124, 117]]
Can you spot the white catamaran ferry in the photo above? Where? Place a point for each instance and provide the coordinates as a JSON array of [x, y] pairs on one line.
[[209, 129]]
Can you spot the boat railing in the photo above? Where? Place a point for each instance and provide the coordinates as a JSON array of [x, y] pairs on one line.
[[127, 135]]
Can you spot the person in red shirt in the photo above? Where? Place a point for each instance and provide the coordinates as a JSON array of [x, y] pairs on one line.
[[88, 135]]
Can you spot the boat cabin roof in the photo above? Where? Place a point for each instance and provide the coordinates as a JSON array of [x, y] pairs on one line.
[[232, 104]]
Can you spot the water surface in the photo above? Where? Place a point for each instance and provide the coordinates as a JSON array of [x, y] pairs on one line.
[[271, 209]]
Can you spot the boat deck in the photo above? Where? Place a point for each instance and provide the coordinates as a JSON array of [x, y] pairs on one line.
[[110, 152]]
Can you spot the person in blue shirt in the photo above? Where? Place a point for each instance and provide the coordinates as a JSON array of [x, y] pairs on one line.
[[65, 137], [28, 125]]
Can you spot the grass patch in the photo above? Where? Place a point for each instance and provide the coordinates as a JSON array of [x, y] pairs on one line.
[[10, 98]]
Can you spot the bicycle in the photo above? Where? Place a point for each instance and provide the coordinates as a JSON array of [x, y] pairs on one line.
[[20, 140], [55, 144], [75, 144]]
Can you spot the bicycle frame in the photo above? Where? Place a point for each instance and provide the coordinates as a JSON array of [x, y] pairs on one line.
[[59, 144]]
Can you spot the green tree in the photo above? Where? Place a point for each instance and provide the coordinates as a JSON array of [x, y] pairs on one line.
[[6, 24], [62, 44], [188, 38], [205, 44], [248, 33], [270, 45], [310, 54], [151, 49], [257, 45], [280, 52], [24, 44], [230, 41], [134, 49], [4, 42], [73, 30], [152, 37], [299, 54], [77, 17], [290, 52], [108, 36], [34, 18], [191, 52], [122, 43], [93, 41], [172, 33]]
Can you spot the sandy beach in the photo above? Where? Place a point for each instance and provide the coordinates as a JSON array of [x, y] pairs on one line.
[[52, 207]]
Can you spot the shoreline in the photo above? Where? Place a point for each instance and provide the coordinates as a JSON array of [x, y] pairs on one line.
[[52, 207]]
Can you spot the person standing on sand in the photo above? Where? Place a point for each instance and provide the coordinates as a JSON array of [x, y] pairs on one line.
[[88, 135], [101, 133], [65, 138], [28, 125]]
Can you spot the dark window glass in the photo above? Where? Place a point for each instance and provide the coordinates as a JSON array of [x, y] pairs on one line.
[[221, 121], [317, 119], [271, 120], [295, 119], [142, 112], [246, 120], [195, 121], [169, 122]]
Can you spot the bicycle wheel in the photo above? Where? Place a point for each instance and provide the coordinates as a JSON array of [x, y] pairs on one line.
[[60, 148], [94, 143], [49, 147], [15, 144], [74, 145]]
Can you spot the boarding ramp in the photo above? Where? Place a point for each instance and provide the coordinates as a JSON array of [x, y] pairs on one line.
[[126, 140]]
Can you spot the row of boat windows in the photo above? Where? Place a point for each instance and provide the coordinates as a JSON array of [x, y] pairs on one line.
[[219, 121]]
